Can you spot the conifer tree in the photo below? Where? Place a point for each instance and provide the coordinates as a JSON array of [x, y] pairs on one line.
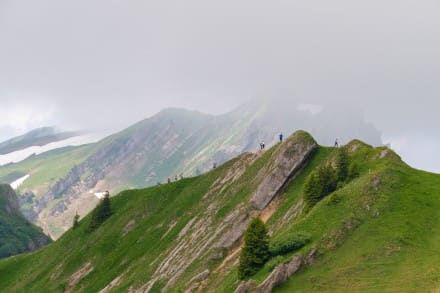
[[255, 251], [100, 213], [342, 164], [75, 221]]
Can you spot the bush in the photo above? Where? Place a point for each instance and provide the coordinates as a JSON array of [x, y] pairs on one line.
[[255, 251], [288, 244]]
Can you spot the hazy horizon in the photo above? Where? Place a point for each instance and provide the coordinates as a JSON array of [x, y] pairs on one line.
[[105, 64]]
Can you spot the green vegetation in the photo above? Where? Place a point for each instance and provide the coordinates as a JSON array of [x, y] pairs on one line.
[[319, 184], [326, 178], [342, 163], [288, 243], [17, 235], [377, 231], [255, 251], [101, 213], [75, 221]]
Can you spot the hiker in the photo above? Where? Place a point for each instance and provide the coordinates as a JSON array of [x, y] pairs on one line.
[[169, 180], [263, 145], [175, 178], [336, 143], [214, 165], [281, 137]]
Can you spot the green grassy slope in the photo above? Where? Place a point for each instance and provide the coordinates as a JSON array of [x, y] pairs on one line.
[[379, 239], [154, 209], [17, 235], [377, 233], [45, 169]]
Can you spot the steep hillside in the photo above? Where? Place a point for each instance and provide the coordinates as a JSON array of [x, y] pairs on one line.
[[172, 143], [17, 234], [377, 232], [36, 137]]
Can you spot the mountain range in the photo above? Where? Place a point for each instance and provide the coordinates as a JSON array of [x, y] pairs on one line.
[[172, 144]]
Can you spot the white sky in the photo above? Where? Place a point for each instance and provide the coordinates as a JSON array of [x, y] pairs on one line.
[[66, 63]]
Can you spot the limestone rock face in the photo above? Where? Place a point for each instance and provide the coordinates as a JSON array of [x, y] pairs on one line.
[[280, 274], [286, 163], [245, 287]]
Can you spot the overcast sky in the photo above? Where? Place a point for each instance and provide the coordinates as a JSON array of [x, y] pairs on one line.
[[65, 62]]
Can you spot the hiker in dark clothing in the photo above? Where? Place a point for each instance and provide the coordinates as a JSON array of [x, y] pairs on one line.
[[281, 137], [336, 143]]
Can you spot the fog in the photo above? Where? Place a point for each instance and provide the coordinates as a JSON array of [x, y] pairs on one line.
[[106, 64]]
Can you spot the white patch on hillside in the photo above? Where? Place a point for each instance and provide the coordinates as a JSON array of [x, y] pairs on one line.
[[19, 181], [20, 155], [101, 195]]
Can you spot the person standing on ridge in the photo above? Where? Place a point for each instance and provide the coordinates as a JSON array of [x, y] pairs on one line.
[[336, 143], [281, 137]]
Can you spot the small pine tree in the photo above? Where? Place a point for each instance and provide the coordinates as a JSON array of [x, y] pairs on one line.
[[255, 251], [75, 221], [342, 164], [353, 171], [101, 213], [319, 184], [312, 189]]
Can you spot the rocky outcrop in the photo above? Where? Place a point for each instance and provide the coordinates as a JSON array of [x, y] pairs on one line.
[[280, 274], [246, 287], [194, 283], [235, 232], [285, 164]]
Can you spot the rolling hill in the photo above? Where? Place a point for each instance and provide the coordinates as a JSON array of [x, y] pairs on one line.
[[377, 231]]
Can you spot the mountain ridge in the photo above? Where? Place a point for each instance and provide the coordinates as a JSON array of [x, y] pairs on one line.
[[173, 143], [373, 230]]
